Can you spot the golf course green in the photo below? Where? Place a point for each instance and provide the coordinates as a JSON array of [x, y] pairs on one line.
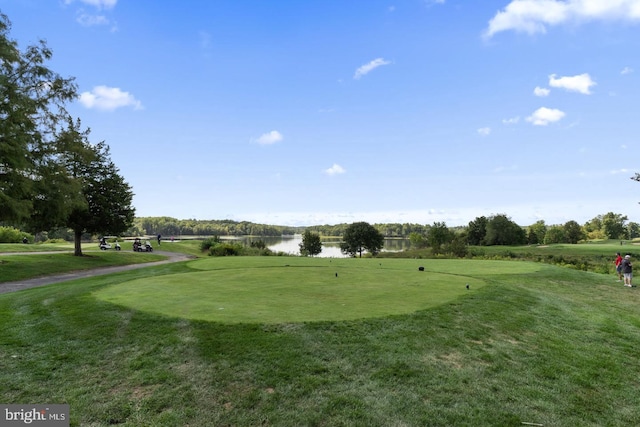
[[284, 290]]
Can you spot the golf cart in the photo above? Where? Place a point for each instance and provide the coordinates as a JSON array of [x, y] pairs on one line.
[[139, 247], [104, 245]]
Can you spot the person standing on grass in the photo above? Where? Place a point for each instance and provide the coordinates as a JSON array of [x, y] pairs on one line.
[[627, 270], [618, 263]]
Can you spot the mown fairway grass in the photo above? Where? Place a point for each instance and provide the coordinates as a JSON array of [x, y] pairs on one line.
[[286, 289], [537, 343]]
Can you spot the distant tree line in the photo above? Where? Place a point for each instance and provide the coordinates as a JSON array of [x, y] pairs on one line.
[[168, 226], [482, 231]]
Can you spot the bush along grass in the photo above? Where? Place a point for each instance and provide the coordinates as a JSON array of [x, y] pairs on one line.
[[545, 345], [216, 247], [13, 235], [237, 249]]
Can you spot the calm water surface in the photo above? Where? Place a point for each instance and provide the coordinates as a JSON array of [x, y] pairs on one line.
[[330, 249]]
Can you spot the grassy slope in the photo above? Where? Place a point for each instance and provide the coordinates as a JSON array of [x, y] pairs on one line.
[[20, 267], [41, 247], [553, 346]]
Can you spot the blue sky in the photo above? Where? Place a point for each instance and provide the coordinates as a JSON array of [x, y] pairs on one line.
[[330, 111]]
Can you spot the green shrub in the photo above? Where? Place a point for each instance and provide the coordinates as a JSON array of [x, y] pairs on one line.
[[477, 252], [457, 247], [602, 269], [226, 249], [208, 243], [55, 241], [13, 235]]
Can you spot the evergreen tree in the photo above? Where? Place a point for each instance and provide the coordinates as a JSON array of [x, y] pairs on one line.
[[105, 204], [31, 109]]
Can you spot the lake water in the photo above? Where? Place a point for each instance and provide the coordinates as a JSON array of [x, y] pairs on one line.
[[330, 248]]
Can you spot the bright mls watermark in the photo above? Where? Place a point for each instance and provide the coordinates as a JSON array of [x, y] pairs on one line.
[[34, 415]]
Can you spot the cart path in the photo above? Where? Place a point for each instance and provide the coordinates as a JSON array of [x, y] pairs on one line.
[[63, 277]]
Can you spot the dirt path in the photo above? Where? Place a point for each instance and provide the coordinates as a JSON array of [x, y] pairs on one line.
[[48, 280]]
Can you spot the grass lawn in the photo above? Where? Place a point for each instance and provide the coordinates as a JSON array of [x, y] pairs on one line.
[[282, 290], [189, 247], [528, 343], [20, 267], [42, 247], [606, 248]]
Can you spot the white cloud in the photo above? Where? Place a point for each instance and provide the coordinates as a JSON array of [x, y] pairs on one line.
[[87, 20], [336, 169], [100, 4], [484, 131], [108, 99], [543, 116], [580, 83], [270, 138], [626, 70], [541, 91], [534, 16], [367, 68], [511, 121]]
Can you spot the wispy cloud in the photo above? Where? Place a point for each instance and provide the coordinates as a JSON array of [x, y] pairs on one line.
[[486, 131], [367, 68], [619, 171], [336, 169], [511, 121], [626, 70], [581, 83], [534, 16], [108, 99], [88, 20], [270, 138], [543, 116], [100, 4], [541, 91]]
